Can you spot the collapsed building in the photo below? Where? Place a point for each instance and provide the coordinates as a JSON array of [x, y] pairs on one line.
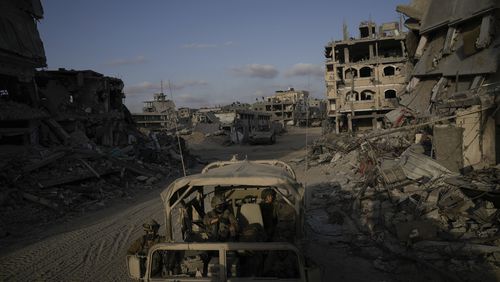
[[316, 110], [364, 76], [185, 117], [239, 124], [287, 107], [157, 114], [68, 144], [21, 52], [454, 48], [424, 192], [85, 104]]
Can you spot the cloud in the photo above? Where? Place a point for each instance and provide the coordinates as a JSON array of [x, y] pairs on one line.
[[206, 45], [188, 83], [148, 87], [198, 46], [142, 87], [256, 70], [124, 62], [192, 100], [302, 69]]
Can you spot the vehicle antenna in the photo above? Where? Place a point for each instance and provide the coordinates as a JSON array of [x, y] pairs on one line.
[[176, 127], [307, 135]]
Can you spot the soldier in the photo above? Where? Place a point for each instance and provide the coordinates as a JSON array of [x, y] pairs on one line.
[[269, 212], [220, 223], [141, 246]]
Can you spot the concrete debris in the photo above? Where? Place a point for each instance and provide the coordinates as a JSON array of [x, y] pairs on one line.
[[76, 148], [393, 189]]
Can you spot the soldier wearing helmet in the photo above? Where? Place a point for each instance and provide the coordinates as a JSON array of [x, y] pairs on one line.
[[269, 212], [141, 246], [220, 223]]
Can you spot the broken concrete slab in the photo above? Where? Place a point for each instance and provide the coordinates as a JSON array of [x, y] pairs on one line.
[[417, 165]]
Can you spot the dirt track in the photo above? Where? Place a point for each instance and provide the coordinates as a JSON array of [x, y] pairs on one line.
[[95, 251]]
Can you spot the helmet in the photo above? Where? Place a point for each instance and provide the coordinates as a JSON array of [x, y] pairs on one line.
[[151, 225], [268, 192], [217, 200]]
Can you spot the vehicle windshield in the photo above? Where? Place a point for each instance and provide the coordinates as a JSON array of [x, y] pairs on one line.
[[205, 265], [232, 214]]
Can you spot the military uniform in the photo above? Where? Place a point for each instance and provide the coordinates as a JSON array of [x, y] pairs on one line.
[[141, 245], [141, 248], [269, 218], [224, 229], [269, 212]]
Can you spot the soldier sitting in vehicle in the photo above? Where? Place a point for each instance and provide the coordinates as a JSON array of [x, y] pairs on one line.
[[269, 212], [141, 246], [220, 223]]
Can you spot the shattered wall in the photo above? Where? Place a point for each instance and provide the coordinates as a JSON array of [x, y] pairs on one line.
[[157, 114], [287, 107], [455, 70], [365, 76], [21, 49]]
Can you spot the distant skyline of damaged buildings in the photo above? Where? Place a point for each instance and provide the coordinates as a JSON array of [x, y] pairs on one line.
[[364, 76]]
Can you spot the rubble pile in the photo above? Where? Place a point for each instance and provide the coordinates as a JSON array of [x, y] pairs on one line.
[[45, 183], [387, 192]]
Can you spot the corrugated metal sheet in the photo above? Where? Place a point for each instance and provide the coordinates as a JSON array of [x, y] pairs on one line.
[[416, 165]]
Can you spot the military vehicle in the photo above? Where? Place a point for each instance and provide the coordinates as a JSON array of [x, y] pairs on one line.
[[241, 182], [262, 135], [232, 261]]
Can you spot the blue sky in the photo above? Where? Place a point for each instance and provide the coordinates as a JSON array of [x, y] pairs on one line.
[[212, 51]]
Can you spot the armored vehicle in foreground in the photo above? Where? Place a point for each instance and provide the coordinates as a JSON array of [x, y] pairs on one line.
[[262, 213]]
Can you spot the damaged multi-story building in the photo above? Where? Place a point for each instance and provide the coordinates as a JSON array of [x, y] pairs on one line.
[[86, 104], [287, 107], [52, 107], [454, 46], [364, 76], [21, 52], [157, 114], [240, 123]]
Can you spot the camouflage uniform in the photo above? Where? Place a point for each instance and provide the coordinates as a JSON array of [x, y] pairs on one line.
[[220, 223], [141, 246], [269, 213], [225, 227]]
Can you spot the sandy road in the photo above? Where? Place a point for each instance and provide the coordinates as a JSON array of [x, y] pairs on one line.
[[96, 251]]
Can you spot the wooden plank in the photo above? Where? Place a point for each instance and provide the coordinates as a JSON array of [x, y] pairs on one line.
[[46, 161], [40, 200], [71, 178], [132, 167], [58, 130], [90, 168]]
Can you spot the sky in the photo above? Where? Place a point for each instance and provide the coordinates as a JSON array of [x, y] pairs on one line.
[[206, 52]]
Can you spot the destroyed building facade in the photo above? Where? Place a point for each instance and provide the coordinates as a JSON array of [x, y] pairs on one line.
[[287, 107], [240, 123], [364, 76], [157, 114], [454, 49], [85, 104], [21, 52]]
